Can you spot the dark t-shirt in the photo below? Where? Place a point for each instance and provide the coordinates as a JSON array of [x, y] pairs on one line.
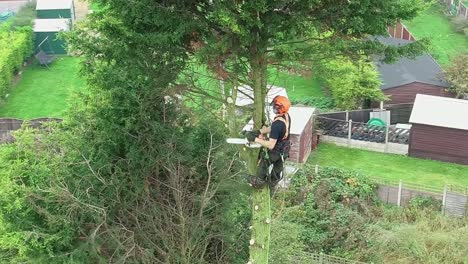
[[278, 129]]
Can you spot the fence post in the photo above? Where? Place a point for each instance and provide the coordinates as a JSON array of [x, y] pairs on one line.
[[347, 115], [381, 105], [321, 258], [444, 199], [316, 169], [350, 127], [466, 206], [387, 129], [399, 193]]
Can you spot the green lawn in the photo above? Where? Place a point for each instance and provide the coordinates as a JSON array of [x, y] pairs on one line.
[[389, 166], [43, 92], [433, 24], [297, 86]]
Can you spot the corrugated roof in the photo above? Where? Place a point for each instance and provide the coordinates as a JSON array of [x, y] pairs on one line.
[[423, 69], [53, 4], [299, 117], [440, 111], [51, 25]]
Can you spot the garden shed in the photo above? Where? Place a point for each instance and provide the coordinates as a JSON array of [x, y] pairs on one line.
[[402, 80], [45, 33], [47, 9], [439, 129], [300, 134]]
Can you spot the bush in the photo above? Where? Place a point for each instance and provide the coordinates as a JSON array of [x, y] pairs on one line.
[[15, 46], [341, 216], [31, 222], [322, 103], [351, 82], [337, 206], [426, 202], [460, 24], [424, 237], [25, 16]]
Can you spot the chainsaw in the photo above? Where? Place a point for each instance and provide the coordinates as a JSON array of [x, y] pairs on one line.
[[244, 141]]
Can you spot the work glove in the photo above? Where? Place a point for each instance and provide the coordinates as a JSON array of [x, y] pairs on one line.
[[251, 135]]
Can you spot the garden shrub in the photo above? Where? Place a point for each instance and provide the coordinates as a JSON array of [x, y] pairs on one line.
[[25, 16], [426, 202], [338, 203], [342, 216], [322, 103], [15, 47], [459, 23]]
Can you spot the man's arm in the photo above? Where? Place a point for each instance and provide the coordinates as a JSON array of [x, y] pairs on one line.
[[265, 130], [270, 144]]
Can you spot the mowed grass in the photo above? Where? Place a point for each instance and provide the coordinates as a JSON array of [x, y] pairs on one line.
[[296, 86], [390, 166], [43, 92], [433, 24]]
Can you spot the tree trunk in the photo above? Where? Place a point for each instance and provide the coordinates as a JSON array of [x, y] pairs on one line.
[[231, 111], [260, 237]]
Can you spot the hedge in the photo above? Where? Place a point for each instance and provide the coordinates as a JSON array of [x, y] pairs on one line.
[[15, 47]]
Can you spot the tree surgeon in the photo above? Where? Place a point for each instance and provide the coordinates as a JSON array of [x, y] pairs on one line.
[[275, 145]]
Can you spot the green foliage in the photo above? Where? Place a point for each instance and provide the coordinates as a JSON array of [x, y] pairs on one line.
[[341, 216], [351, 83], [433, 24], [298, 84], [427, 172], [236, 213], [415, 236], [34, 226], [128, 177], [457, 75], [322, 103], [426, 202], [131, 184], [25, 16], [337, 204], [460, 24], [15, 47], [44, 92], [285, 245]]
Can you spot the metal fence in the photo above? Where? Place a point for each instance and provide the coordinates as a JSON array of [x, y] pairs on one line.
[[362, 131], [456, 8], [399, 113], [453, 198], [8, 125]]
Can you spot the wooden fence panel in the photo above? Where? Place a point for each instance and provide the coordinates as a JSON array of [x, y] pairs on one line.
[[337, 115], [408, 194], [456, 204], [388, 194], [362, 116], [7, 125], [400, 113]]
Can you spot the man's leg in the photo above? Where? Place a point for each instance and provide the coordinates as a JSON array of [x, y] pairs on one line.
[[261, 178], [276, 172]]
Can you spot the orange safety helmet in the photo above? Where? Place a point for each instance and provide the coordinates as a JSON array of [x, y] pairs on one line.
[[281, 104]]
